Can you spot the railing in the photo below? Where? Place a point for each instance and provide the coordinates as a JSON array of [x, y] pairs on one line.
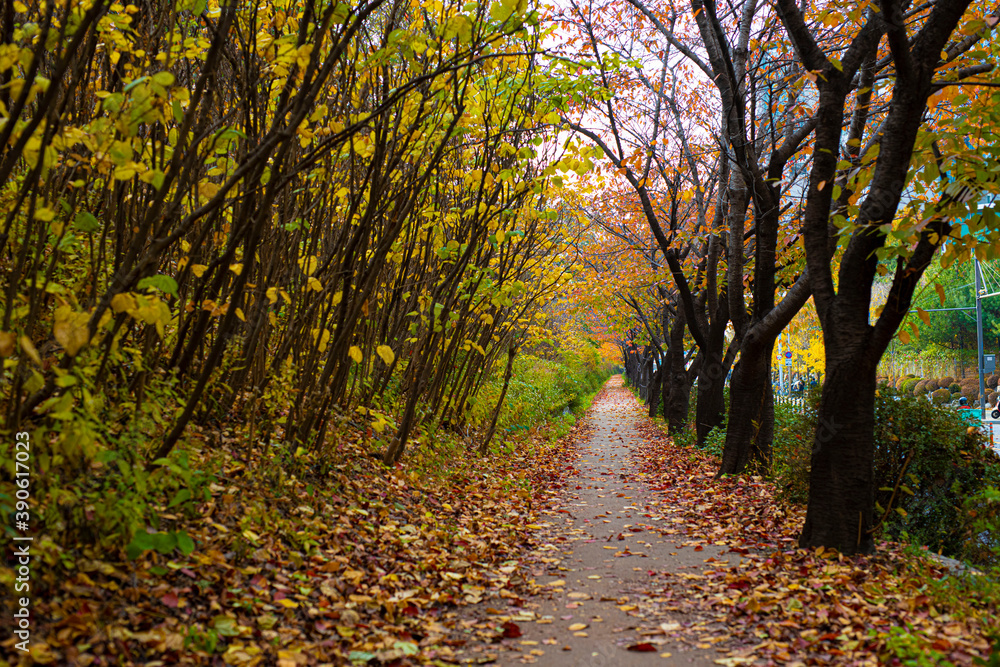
[[792, 399]]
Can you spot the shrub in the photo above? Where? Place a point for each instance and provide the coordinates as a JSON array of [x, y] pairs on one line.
[[982, 541], [940, 396], [954, 388], [921, 388], [541, 388], [794, 430], [946, 381], [991, 381], [908, 386], [950, 462]]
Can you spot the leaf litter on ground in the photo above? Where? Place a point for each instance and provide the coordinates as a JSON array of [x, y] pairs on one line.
[[353, 564], [788, 605]]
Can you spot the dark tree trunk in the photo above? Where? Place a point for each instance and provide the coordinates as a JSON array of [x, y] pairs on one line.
[[680, 383], [751, 412], [680, 398], [750, 429], [710, 408], [841, 479]]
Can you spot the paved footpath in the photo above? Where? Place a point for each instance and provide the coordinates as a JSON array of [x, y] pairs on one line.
[[604, 604]]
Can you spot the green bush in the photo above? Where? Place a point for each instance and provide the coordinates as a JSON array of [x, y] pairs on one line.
[[908, 386], [542, 388], [954, 388], [946, 381], [940, 396], [982, 541], [922, 387], [950, 463]]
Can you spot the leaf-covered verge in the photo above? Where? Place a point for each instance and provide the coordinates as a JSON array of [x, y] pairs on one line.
[[281, 557], [795, 606]]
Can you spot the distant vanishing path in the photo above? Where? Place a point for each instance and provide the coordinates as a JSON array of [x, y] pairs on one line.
[[601, 563]]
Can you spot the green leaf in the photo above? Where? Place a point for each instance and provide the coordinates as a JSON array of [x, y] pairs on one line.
[[164, 542], [164, 79], [226, 626], [141, 541], [184, 542], [165, 284], [407, 648], [86, 222], [182, 496]]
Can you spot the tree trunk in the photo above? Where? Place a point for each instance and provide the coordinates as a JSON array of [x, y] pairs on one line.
[[712, 376], [751, 412], [680, 384], [841, 481]]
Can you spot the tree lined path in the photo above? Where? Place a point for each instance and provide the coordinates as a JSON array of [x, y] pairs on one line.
[[608, 541]]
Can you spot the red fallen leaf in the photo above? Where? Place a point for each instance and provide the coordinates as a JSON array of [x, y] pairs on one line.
[[644, 647], [411, 610], [170, 599], [511, 630], [699, 548]]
